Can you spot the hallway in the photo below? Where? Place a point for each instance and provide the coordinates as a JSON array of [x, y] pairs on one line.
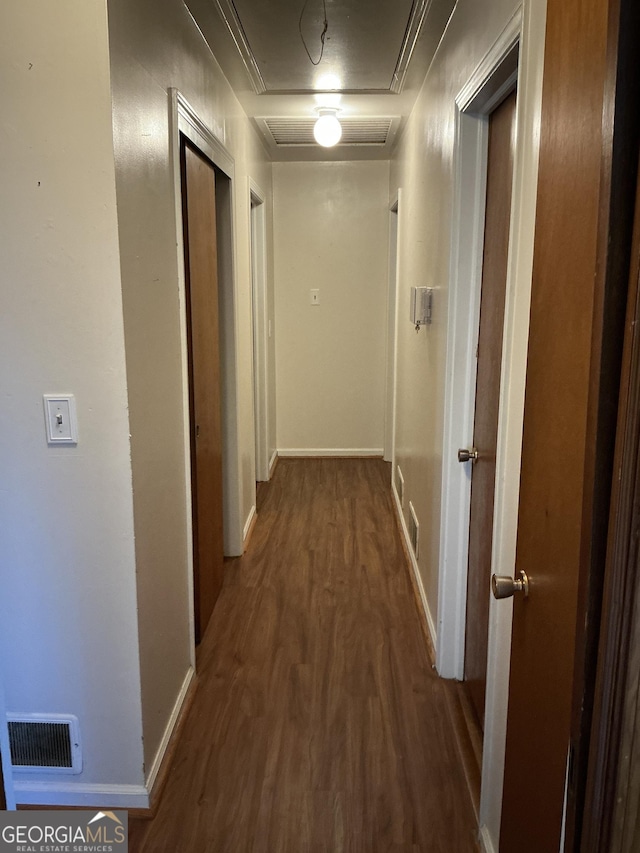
[[318, 722]]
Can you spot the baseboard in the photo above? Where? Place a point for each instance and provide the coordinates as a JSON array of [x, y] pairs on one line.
[[272, 463], [79, 795], [486, 842], [139, 800], [431, 635], [338, 452], [159, 769], [248, 527]]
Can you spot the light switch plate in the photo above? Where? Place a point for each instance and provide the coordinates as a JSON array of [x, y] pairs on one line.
[[314, 296], [61, 418]]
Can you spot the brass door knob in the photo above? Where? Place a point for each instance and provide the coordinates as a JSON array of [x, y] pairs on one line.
[[468, 454], [505, 587]]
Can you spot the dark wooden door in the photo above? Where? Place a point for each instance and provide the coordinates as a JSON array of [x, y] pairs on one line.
[[570, 384], [201, 266], [485, 430]]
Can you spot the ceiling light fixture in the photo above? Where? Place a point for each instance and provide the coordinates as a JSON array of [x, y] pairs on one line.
[[327, 130]]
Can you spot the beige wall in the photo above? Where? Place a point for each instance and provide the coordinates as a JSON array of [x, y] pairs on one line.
[[331, 233], [155, 46], [68, 624]]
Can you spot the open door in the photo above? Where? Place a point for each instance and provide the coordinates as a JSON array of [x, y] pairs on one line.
[[573, 373]]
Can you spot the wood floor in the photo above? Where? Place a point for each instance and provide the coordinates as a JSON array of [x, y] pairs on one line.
[[318, 724]]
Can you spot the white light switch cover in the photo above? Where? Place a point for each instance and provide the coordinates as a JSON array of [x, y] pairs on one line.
[[60, 418]]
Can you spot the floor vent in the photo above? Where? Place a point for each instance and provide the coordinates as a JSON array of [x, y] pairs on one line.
[[414, 531], [400, 485], [39, 743]]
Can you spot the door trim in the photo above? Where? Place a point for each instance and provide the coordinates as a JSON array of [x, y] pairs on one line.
[[392, 334], [184, 119], [260, 321], [494, 78]]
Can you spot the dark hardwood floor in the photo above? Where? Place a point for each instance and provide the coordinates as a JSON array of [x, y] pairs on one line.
[[318, 723]]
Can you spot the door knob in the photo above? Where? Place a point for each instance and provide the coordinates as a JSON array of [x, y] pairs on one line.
[[504, 587], [468, 454]]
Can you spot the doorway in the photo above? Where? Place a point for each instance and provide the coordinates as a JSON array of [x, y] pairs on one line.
[[493, 80], [189, 129], [261, 330], [485, 432], [205, 393]]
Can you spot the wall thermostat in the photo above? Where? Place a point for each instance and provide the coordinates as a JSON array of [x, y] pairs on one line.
[[421, 306]]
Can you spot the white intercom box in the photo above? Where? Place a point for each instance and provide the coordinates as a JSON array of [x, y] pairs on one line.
[[421, 305]]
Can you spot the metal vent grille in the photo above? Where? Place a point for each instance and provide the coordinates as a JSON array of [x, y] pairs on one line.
[[414, 531], [355, 131], [50, 744]]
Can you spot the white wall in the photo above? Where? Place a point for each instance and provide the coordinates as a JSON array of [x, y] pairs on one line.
[[331, 232], [156, 46], [68, 626]]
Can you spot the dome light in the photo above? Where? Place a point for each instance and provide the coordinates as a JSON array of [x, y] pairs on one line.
[[327, 130]]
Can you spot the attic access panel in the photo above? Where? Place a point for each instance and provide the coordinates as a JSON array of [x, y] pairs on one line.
[[365, 42]]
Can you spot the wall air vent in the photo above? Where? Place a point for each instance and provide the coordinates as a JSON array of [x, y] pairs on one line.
[[414, 531], [41, 743], [356, 130]]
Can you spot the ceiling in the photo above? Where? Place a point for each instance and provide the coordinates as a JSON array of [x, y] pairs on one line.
[[370, 65]]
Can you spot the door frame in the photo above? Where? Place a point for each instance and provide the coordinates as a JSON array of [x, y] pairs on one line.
[[526, 28], [391, 376], [184, 119], [260, 321], [493, 79]]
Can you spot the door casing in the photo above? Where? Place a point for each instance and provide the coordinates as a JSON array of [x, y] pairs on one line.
[[185, 120], [203, 332], [495, 76], [260, 319], [489, 362], [391, 376]]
